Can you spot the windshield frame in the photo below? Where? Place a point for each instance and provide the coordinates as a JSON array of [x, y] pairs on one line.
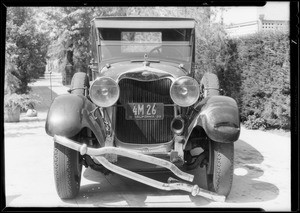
[[190, 41]]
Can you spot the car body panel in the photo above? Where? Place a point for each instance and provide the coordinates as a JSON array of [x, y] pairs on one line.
[[69, 114], [218, 116]]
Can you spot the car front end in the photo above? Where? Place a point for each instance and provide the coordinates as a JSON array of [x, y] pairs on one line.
[[142, 109]]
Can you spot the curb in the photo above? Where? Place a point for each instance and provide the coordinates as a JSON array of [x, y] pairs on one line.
[[28, 119], [39, 117]]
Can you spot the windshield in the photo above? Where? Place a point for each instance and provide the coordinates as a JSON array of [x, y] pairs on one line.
[[164, 44]]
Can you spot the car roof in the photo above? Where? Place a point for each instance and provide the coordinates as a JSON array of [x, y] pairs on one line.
[[143, 22]]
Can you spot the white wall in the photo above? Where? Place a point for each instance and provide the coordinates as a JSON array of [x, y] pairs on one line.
[[271, 11], [242, 30]]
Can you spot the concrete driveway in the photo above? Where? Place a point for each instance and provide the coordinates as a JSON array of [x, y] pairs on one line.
[[261, 177]]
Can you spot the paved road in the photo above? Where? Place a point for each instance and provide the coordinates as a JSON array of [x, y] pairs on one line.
[[261, 177]]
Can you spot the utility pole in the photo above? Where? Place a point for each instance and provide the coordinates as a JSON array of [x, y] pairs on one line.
[[50, 83]]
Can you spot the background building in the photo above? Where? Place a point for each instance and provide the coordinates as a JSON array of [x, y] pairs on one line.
[[240, 21]]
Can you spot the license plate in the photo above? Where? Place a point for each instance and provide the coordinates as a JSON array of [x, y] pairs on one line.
[[145, 111]]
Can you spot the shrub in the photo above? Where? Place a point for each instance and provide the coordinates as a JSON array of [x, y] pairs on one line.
[[254, 70], [23, 101], [265, 85]]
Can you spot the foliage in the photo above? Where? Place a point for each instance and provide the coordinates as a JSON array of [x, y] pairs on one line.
[[229, 71], [23, 101], [265, 90], [209, 42], [70, 38], [25, 47], [154, 11], [11, 82]]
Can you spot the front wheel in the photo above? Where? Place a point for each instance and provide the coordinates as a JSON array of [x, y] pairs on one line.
[[67, 165], [67, 171], [219, 170]]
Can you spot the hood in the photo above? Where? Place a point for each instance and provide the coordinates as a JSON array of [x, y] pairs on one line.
[[143, 70]]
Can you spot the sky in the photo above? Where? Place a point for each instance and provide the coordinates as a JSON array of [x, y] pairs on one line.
[[272, 11]]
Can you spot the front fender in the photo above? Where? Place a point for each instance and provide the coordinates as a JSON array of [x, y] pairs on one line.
[[219, 117], [64, 116], [69, 113]]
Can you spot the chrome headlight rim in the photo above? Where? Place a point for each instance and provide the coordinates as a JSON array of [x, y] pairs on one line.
[[197, 88], [95, 101]]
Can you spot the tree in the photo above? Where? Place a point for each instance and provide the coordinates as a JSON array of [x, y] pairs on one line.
[[71, 38], [11, 82], [26, 48]]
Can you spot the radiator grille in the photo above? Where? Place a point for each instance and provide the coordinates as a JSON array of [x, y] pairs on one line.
[[144, 131]]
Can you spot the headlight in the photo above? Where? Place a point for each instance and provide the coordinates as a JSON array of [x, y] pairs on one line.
[[185, 91], [104, 92]]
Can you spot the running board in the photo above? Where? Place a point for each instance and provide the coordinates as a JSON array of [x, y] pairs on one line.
[[171, 185]]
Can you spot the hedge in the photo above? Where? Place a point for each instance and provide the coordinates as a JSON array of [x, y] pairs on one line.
[[256, 72]]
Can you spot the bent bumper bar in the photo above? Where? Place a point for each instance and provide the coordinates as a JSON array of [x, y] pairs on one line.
[[99, 152]]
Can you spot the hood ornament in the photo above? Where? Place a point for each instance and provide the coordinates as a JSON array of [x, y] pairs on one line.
[[146, 57], [146, 62]]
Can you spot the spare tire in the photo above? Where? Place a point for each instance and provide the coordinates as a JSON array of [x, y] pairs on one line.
[[209, 85], [80, 81]]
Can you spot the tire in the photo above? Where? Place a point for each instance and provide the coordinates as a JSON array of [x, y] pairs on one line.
[[219, 170], [80, 80], [209, 85], [67, 171], [67, 165]]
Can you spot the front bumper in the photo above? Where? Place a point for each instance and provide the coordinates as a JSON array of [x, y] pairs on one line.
[[172, 184]]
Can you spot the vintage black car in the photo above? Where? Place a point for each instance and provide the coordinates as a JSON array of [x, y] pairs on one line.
[[139, 108]]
